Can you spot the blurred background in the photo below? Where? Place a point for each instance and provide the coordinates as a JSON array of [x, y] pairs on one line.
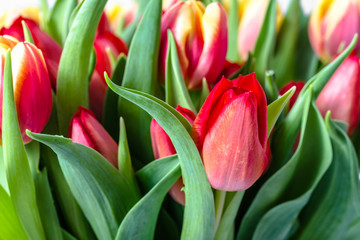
[[307, 5]]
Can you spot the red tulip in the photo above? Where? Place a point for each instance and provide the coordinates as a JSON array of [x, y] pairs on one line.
[[230, 132], [341, 95], [163, 147], [201, 38], [299, 86], [32, 88], [105, 41], [86, 130], [49, 47]]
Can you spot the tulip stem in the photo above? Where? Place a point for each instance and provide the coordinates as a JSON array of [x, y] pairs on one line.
[[219, 206]]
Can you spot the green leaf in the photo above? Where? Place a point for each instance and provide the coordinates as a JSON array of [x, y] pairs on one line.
[[284, 61], [108, 197], [265, 44], [27, 34], [199, 208], [3, 179], [286, 133], [72, 81], [271, 90], [124, 159], [204, 92], [233, 21], [146, 211], [333, 207], [176, 92], [58, 19], [71, 212], [10, 225], [276, 107], [273, 212], [353, 231], [46, 205], [228, 217], [111, 117], [33, 153], [20, 181], [143, 53]]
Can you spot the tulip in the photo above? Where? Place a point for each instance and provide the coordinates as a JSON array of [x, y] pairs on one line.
[[299, 86], [341, 95], [201, 38], [105, 42], [49, 47], [230, 132], [32, 88], [251, 15], [10, 16], [121, 17], [163, 147], [332, 26], [86, 130]]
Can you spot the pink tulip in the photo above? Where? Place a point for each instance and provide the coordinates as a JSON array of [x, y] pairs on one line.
[[201, 38], [341, 95], [32, 88], [105, 41], [299, 86], [86, 130], [163, 147], [230, 132], [49, 47], [252, 14], [332, 26]]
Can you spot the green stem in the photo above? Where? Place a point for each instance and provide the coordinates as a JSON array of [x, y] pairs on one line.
[[219, 206]]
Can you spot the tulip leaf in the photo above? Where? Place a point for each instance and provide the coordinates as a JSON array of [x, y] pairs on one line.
[[204, 92], [176, 92], [277, 205], [146, 211], [111, 117], [333, 207], [108, 196], [20, 181], [353, 231], [3, 180], [199, 216], [276, 107], [233, 21], [284, 60], [286, 133], [27, 34], [124, 159], [143, 52], [71, 212], [58, 19], [46, 205], [33, 153], [229, 216], [10, 225], [72, 81], [265, 44]]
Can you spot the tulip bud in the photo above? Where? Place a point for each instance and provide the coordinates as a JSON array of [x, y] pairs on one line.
[[121, 16], [86, 130], [10, 16], [201, 38], [341, 95], [230, 132], [32, 88], [299, 86], [332, 26], [252, 14], [105, 41], [163, 147]]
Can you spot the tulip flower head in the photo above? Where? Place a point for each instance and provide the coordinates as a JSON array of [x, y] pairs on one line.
[[299, 86], [86, 130], [251, 15], [341, 95], [230, 132], [201, 37], [332, 26], [163, 147], [31, 84]]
